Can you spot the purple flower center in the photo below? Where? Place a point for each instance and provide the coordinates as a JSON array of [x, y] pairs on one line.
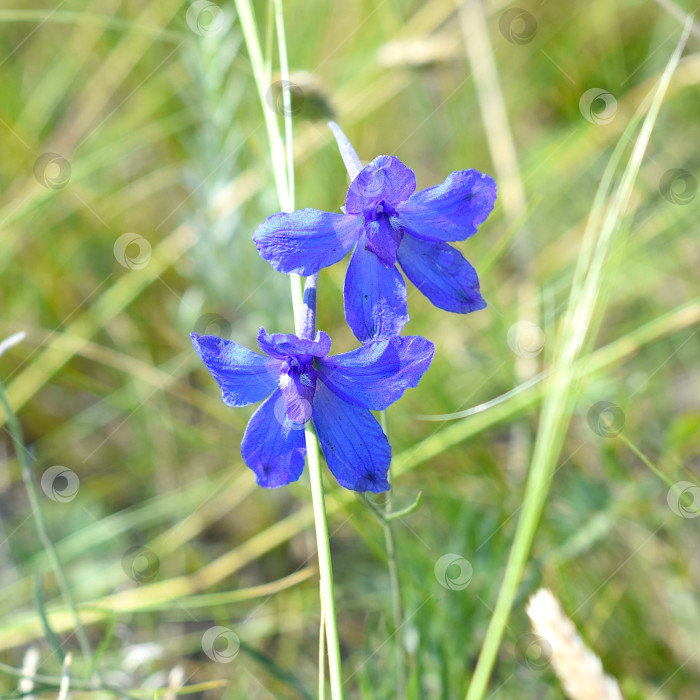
[[298, 383], [382, 207], [383, 231]]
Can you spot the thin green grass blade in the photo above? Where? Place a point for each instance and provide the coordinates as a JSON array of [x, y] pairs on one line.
[[38, 513], [51, 637], [289, 679], [558, 406]]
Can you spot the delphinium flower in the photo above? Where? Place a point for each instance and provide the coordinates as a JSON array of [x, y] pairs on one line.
[[302, 382], [387, 222]]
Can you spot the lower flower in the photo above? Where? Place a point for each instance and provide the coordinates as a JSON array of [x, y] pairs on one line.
[[302, 382]]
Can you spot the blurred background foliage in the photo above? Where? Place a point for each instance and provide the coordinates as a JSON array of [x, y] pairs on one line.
[[154, 112]]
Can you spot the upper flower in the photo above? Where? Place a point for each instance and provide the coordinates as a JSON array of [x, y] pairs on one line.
[[302, 382], [387, 222]]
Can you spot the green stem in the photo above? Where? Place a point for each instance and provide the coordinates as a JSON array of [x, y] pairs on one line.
[[283, 168], [396, 603], [286, 100], [306, 328], [324, 564], [322, 658], [38, 514]]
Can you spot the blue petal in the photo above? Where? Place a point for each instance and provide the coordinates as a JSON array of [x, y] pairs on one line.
[[244, 376], [357, 451], [298, 390], [307, 240], [385, 179], [377, 374], [442, 274], [375, 296], [451, 211], [383, 237], [284, 345], [273, 446]]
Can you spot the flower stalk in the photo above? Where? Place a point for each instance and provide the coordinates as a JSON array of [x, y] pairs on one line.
[[304, 313], [306, 328], [325, 566]]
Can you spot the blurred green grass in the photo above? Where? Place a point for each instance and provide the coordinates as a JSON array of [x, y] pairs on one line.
[[164, 136]]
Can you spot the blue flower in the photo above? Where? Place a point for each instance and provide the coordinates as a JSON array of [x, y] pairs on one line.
[[387, 223], [302, 382]]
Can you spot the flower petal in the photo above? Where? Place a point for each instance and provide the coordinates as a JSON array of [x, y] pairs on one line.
[[356, 449], [306, 241], [375, 296], [273, 446], [298, 392], [385, 179], [377, 374], [442, 274], [284, 345], [450, 211], [383, 237], [244, 376]]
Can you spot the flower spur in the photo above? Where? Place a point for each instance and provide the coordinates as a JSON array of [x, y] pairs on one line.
[[387, 223]]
